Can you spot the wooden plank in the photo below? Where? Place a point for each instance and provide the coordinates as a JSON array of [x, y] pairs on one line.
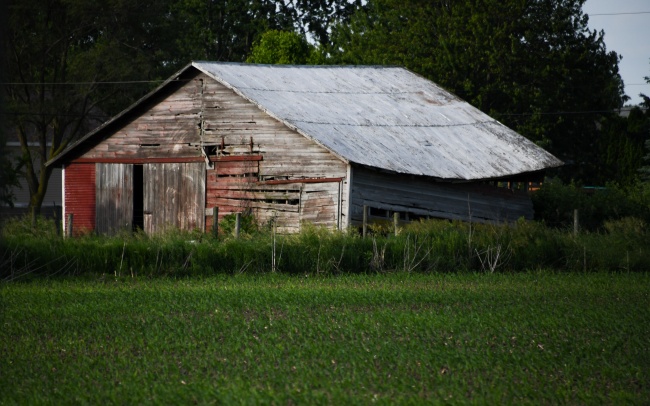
[[252, 195], [174, 194], [114, 197], [139, 160], [236, 158], [305, 180]]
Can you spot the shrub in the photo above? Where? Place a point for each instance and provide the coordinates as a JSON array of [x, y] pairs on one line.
[[555, 202]]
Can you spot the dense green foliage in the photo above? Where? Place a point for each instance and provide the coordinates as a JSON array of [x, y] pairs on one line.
[[284, 47], [531, 338], [429, 246], [555, 202]]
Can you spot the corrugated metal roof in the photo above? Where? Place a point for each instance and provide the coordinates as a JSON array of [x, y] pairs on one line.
[[385, 117]]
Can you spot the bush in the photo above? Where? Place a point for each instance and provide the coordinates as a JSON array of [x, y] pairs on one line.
[[425, 246], [555, 202]]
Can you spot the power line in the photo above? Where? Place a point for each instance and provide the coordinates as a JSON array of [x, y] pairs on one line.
[[79, 83], [619, 14], [550, 113]]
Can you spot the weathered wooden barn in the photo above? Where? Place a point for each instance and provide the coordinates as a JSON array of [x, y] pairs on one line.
[[298, 143]]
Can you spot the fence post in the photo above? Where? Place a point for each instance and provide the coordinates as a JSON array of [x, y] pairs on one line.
[[576, 222], [68, 229], [365, 220], [395, 221], [215, 222], [57, 222], [237, 224], [274, 230]]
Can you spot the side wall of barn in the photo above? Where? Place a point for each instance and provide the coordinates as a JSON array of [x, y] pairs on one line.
[[419, 197]]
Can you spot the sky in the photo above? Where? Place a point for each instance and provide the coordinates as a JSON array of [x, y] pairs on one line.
[[628, 35]]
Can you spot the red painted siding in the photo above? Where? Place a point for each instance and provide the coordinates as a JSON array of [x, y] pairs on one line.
[[80, 196]]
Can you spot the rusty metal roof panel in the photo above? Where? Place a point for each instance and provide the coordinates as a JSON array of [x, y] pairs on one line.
[[385, 117]]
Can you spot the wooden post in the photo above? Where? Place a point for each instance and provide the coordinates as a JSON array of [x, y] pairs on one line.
[[215, 222], [396, 221], [576, 222], [57, 222], [237, 224], [274, 230], [68, 229], [365, 220]]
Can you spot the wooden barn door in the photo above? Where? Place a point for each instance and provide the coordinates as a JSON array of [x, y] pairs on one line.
[[173, 195], [114, 197]]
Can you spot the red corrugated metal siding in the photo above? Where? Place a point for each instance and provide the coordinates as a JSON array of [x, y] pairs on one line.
[[80, 196]]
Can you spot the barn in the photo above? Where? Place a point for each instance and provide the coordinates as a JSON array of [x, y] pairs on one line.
[[297, 144]]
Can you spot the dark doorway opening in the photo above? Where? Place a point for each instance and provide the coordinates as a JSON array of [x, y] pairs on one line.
[[138, 198]]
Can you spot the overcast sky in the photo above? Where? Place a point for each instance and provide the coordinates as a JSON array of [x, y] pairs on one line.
[[628, 35]]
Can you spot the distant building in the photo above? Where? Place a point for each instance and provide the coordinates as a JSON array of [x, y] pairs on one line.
[[53, 198]]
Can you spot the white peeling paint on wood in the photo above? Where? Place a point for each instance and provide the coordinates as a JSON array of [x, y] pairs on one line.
[[385, 117]]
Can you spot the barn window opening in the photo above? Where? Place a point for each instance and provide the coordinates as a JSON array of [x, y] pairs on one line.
[[375, 212], [138, 198]]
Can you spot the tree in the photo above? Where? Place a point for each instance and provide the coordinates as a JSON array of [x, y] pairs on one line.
[[221, 30], [619, 149], [534, 65], [283, 47], [645, 170], [7, 173], [315, 18], [62, 55]]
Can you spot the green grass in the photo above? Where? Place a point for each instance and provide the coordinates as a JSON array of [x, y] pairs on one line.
[[531, 338]]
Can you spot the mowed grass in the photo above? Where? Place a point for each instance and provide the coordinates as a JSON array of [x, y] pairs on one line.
[[526, 338]]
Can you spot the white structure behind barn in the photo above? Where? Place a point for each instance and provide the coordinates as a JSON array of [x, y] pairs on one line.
[[53, 199], [298, 143]]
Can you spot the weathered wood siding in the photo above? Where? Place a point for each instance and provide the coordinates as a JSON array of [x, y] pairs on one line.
[[416, 197], [174, 195], [79, 191], [256, 164], [114, 198], [165, 127], [266, 168]]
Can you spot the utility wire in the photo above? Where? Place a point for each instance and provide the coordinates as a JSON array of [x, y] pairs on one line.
[[619, 14], [550, 113], [79, 83]]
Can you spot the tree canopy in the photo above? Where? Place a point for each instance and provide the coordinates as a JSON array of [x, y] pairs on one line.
[[284, 48]]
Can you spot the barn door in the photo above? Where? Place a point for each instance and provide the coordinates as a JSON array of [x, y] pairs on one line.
[[173, 196], [114, 197]]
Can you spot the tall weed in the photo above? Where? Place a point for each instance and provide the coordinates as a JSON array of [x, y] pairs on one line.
[[425, 246]]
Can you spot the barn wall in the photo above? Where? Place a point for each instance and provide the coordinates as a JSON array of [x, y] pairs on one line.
[[166, 127], [416, 197], [253, 163], [79, 192], [263, 167]]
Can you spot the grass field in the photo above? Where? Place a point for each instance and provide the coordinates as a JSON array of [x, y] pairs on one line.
[[525, 338]]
